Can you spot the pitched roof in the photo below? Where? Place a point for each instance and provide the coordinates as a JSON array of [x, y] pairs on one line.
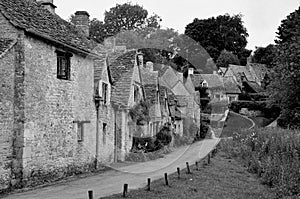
[[223, 69], [181, 100], [5, 45], [170, 95], [121, 90], [197, 79], [236, 70], [214, 81], [230, 85], [122, 64], [33, 18], [253, 85]]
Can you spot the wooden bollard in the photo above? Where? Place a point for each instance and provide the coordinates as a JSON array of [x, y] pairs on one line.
[[197, 168], [208, 158], [166, 179], [148, 184], [125, 190], [188, 168], [90, 194], [178, 172]]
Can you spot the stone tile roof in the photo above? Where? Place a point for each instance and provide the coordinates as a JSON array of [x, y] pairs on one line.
[[214, 81], [5, 45], [121, 90], [230, 85], [170, 95], [197, 79], [181, 100], [122, 63], [32, 17], [236, 70]]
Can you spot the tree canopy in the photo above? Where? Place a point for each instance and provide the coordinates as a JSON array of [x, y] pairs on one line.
[[265, 55], [284, 88], [227, 58], [220, 33]]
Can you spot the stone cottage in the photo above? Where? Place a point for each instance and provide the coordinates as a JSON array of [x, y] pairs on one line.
[[127, 93], [48, 116]]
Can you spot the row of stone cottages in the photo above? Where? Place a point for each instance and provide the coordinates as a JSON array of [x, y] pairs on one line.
[[65, 103]]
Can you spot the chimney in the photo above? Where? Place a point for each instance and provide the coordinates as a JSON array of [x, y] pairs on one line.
[[140, 59], [82, 22], [149, 66], [48, 4], [191, 71], [215, 72]]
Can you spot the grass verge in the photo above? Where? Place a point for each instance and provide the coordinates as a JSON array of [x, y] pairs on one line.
[[223, 178]]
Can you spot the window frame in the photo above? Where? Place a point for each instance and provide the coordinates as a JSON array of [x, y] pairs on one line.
[[104, 132], [104, 92], [80, 132], [63, 64]]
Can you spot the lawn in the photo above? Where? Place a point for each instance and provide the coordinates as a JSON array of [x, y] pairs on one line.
[[223, 178], [235, 123]]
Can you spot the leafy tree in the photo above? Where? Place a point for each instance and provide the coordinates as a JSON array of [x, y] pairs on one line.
[[98, 30], [265, 55], [284, 89], [227, 58], [129, 17], [218, 33]]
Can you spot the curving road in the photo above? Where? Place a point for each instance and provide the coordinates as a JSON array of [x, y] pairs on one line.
[[111, 182]]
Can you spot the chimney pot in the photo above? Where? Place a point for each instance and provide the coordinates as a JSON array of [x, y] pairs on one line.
[[191, 71], [82, 22]]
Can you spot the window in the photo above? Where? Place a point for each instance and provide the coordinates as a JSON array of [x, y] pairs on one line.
[[204, 84], [136, 93], [104, 129], [63, 65], [80, 132], [104, 92], [80, 129]]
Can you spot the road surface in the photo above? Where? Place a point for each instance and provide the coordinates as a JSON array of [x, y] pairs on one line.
[[111, 182]]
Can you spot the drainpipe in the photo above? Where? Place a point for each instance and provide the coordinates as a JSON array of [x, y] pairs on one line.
[[97, 105]]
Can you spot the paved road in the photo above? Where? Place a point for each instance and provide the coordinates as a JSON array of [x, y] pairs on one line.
[[112, 181]]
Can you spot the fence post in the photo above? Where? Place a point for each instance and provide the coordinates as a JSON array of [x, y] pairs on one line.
[[90, 194], [149, 182], [178, 172], [188, 168], [208, 158], [125, 190], [166, 179], [197, 168]]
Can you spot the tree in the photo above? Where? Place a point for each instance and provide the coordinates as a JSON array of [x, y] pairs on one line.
[[265, 55], [219, 33], [227, 58], [284, 89], [98, 30], [129, 17]]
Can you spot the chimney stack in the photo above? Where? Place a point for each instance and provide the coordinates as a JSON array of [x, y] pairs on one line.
[[48, 4], [140, 59], [82, 22]]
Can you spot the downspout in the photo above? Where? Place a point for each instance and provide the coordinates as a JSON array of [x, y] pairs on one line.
[[97, 104]]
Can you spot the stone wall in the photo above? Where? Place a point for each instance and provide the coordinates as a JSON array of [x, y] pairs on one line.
[[51, 107], [7, 71], [7, 30]]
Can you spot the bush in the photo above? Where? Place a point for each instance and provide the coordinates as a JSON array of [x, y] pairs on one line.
[[163, 137]]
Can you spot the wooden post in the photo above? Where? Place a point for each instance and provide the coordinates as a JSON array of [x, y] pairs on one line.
[[208, 158], [188, 168], [166, 179], [178, 172], [90, 194], [197, 168], [125, 190], [148, 185]]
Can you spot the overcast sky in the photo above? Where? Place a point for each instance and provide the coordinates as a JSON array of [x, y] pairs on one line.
[[261, 17]]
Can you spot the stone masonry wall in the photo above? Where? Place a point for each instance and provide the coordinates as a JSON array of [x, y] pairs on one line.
[[6, 116], [7, 30], [51, 106]]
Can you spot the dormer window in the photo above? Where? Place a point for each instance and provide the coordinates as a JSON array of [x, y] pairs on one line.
[[63, 65], [204, 84]]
